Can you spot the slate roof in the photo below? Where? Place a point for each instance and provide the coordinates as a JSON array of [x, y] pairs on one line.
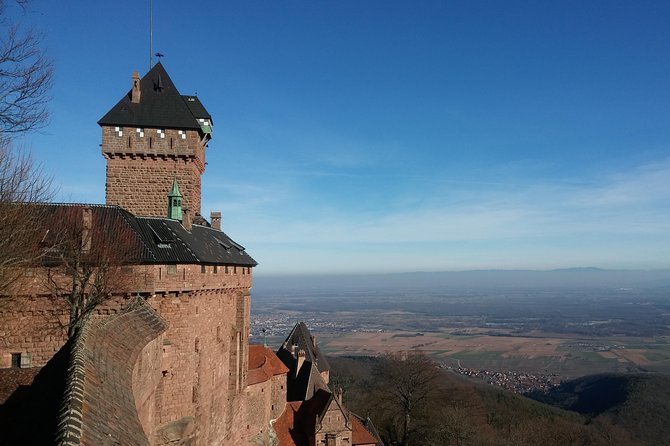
[[301, 337], [160, 105], [147, 240], [196, 107], [306, 383]]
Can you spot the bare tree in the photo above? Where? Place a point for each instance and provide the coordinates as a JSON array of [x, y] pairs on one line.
[[26, 77], [22, 184], [406, 383], [88, 259]]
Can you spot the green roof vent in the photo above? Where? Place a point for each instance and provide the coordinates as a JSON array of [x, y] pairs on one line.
[[174, 202]]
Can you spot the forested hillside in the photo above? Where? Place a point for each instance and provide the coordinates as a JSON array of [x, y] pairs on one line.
[[640, 404], [413, 402]]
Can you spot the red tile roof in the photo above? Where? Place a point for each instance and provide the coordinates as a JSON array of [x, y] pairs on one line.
[[361, 436], [263, 364], [298, 419], [284, 427]]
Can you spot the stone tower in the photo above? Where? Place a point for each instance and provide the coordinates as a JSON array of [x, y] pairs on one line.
[[150, 138]]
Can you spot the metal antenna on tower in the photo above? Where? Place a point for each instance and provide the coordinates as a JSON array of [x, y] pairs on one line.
[[151, 34]]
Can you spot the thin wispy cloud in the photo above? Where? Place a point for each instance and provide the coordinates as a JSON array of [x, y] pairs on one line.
[[556, 218]]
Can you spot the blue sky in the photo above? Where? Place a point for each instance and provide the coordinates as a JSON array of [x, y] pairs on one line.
[[380, 136]]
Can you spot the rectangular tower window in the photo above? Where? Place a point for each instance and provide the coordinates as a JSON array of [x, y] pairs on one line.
[[216, 269], [203, 269], [16, 360]]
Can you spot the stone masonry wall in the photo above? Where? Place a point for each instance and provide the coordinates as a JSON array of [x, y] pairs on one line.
[[142, 165], [145, 381], [265, 402], [207, 314], [35, 326]]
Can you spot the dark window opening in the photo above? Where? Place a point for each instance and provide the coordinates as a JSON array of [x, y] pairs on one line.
[[203, 269], [216, 269], [16, 360]]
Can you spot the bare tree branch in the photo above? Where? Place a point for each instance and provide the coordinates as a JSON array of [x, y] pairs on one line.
[[22, 185], [88, 261], [26, 76]]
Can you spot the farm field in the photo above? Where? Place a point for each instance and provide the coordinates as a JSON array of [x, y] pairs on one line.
[[566, 357], [563, 333]]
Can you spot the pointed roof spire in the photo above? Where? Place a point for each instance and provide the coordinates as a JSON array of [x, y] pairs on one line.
[[174, 191], [174, 211]]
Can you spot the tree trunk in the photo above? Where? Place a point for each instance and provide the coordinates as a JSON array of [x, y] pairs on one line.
[[405, 440]]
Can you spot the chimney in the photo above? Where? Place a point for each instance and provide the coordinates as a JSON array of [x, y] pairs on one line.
[[87, 225], [135, 92], [301, 360], [187, 219], [215, 220]]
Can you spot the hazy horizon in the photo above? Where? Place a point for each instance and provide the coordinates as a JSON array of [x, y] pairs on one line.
[[585, 277]]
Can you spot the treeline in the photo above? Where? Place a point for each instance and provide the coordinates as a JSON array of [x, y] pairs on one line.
[[412, 402]]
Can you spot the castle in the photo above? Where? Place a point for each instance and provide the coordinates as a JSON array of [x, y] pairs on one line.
[[165, 357]]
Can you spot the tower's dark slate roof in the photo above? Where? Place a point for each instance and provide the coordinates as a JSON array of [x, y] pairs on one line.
[[160, 105], [147, 240], [196, 107]]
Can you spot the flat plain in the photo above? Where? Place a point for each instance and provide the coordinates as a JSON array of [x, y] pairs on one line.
[[558, 332]]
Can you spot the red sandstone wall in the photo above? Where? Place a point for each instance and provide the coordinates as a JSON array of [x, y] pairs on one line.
[[145, 381], [208, 323], [148, 164], [33, 325], [265, 402]]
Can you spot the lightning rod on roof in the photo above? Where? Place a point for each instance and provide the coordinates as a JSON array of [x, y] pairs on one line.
[[151, 34]]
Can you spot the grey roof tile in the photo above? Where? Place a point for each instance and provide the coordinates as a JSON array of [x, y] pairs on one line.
[[160, 105]]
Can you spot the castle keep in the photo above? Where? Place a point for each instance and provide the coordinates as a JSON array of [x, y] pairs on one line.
[[164, 358], [150, 137]]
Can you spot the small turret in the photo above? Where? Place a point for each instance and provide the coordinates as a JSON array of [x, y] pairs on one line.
[[174, 202]]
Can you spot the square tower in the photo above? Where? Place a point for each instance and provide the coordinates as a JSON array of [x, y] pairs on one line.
[[150, 138]]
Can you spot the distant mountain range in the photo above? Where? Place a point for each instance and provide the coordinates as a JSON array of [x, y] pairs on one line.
[[473, 279]]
